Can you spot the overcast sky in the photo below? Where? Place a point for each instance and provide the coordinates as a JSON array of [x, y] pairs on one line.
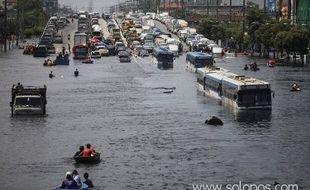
[[98, 5]]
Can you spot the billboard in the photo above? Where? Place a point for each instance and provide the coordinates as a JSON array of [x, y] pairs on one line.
[[271, 6]]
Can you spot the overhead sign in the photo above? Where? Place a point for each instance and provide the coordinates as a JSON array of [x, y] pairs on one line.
[[271, 7]]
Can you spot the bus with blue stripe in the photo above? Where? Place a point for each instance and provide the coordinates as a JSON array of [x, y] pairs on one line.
[[238, 91], [195, 60], [163, 58]]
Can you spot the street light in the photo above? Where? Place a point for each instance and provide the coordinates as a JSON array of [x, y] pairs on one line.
[[5, 24]]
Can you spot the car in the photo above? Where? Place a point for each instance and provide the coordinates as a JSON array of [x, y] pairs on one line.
[[124, 56], [58, 39], [40, 51], [103, 50], [95, 54], [141, 51], [135, 44], [188, 40], [119, 48], [149, 46], [51, 49]]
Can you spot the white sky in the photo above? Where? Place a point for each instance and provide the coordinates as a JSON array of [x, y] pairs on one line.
[[98, 5]]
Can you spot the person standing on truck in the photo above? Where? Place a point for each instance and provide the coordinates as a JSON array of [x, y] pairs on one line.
[[19, 86], [63, 50]]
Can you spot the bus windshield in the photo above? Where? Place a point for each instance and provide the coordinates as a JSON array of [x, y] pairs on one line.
[[254, 97], [28, 101]]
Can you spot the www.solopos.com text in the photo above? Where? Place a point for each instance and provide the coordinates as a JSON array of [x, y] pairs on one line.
[[245, 186]]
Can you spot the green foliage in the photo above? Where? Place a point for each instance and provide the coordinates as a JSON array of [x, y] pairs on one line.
[[254, 19], [264, 35], [256, 15], [206, 27], [181, 13], [31, 13], [260, 30], [299, 40], [234, 34], [295, 40], [34, 31]]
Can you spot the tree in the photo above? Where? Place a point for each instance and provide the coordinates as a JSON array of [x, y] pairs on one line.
[[255, 18], [31, 16], [206, 26], [264, 36], [299, 41]]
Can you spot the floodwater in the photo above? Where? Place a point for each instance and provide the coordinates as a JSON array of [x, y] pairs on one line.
[[149, 139]]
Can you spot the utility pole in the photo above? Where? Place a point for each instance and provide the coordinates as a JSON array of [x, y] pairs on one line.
[[230, 10], [5, 24], [217, 9], [243, 15], [90, 6], [207, 7]]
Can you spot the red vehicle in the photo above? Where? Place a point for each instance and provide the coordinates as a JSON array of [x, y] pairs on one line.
[[80, 52], [271, 62]]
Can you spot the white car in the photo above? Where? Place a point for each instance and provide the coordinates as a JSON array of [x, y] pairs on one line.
[[103, 50], [95, 54]]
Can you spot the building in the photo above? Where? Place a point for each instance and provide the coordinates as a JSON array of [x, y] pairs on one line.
[[10, 4], [303, 12], [50, 7]]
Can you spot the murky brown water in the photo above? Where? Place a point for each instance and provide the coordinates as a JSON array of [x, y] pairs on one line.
[[148, 139]]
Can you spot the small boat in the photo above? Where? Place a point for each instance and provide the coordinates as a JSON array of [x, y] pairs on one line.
[[88, 61], [88, 160], [271, 62], [83, 187], [48, 62], [62, 60], [295, 89], [253, 67]]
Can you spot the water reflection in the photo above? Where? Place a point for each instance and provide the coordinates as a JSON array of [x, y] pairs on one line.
[[252, 116]]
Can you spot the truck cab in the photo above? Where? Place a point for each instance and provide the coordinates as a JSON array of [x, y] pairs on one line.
[[28, 100]]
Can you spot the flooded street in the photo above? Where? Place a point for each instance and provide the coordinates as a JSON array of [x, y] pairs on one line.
[[149, 139]]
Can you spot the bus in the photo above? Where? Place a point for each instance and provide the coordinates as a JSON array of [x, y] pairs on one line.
[[80, 52], [195, 60], [163, 58], [238, 91]]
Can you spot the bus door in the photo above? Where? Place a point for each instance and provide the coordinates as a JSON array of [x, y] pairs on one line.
[[220, 89]]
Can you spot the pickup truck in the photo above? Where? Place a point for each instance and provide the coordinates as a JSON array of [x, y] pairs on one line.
[[28, 100]]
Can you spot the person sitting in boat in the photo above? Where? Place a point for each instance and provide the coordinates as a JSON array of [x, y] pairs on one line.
[[69, 182], [51, 75], [49, 62], [246, 67], [87, 181], [88, 151], [76, 178], [254, 66], [79, 152], [76, 72]]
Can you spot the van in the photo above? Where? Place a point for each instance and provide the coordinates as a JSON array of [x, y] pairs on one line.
[[40, 51]]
